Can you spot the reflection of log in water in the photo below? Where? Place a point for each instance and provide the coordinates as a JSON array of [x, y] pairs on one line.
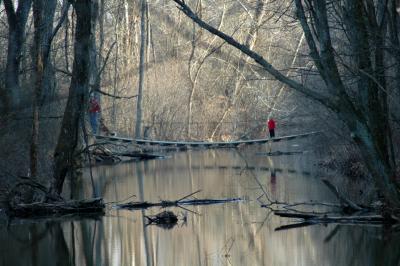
[[279, 153], [58, 208], [140, 178], [165, 219], [309, 219]]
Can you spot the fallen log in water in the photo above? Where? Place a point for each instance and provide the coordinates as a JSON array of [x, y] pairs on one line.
[[57, 208], [101, 153], [167, 203]]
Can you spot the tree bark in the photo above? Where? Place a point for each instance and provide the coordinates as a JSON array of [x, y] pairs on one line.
[[43, 15], [77, 98], [16, 34], [138, 127]]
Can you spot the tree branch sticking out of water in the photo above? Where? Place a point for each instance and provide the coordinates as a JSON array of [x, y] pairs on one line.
[[347, 212]]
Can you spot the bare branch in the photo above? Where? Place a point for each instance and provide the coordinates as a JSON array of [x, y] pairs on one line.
[[106, 59], [115, 96], [256, 57], [64, 14]]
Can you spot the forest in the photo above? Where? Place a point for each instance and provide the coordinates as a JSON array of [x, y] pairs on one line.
[[197, 70], [76, 75]]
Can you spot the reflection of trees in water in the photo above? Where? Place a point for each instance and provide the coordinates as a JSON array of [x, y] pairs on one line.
[[140, 176], [256, 243], [35, 244]]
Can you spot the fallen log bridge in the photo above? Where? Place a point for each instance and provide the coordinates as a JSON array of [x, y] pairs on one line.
[[204, 144]]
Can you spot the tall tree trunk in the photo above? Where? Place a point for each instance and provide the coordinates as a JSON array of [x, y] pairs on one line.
[[43, 15], [367, 30], [16, 35], [138, 127], [95, 58], [193, 79], [77, 98]]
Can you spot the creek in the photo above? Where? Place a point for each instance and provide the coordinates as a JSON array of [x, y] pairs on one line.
[[237, 233]]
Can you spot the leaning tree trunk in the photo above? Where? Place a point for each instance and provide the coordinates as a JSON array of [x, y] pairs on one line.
[[77, 98], [375, 142], [16, 33]]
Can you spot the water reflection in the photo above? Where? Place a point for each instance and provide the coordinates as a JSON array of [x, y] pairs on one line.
[[229, 234]]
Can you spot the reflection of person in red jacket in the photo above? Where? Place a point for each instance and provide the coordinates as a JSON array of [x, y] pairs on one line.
[[271, 127]]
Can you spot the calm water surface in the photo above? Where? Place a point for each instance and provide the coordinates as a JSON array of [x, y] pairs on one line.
[[229, 234]]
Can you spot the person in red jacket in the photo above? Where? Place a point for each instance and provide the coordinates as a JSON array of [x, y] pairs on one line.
[[271, 127], [94, 112]]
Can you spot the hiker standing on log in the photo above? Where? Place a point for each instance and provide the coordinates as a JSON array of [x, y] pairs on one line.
[[94, 112], [271, 127]]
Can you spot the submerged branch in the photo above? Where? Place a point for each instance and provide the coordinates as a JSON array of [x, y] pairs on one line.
[[309, 219]]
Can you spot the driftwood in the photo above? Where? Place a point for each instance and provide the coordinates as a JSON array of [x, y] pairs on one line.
[[174, 203], [29, 198], [347, 212], [103, 154], [358, 214], [94, 205]]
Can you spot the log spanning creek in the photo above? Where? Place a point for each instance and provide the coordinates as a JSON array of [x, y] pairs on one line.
[[237, 232]]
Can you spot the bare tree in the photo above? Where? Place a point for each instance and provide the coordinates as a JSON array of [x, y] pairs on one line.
[[250, 42]]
